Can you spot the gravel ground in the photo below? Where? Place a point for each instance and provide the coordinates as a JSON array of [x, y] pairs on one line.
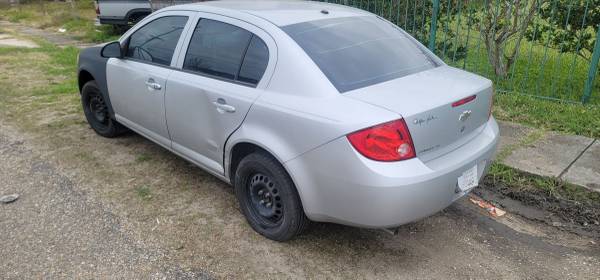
[[55, 231]]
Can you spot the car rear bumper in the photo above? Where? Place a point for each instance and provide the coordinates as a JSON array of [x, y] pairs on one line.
[[337, 184]]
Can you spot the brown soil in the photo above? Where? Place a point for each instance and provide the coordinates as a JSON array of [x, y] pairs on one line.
[[538, 204]]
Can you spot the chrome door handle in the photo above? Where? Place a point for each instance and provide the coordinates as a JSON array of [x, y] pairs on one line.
[[223, 107], [153, 85]]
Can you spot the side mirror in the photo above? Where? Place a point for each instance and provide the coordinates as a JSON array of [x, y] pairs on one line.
[[112, 50]]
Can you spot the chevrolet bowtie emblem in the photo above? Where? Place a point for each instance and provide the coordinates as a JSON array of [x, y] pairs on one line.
[[464, 115]]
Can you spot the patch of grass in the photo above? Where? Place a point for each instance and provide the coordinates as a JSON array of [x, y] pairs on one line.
[[85, 156], [78, 20], [554, 187], [143, 192], [19, 15], [65, 123], [527, 140], [538, 70], [143, 158], [38, 84], [502, 174], [85, 30], [551, 115]]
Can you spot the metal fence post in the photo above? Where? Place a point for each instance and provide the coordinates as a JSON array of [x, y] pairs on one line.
[[433, 28], [589, 83]]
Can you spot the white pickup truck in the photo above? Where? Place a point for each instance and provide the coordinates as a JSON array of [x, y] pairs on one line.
[[127, 12], [122, 12]]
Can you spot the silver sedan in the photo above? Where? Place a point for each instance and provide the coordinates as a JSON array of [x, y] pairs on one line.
[[312, 111]]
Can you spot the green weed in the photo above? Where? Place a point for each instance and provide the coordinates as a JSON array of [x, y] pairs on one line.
[[143, 192], [502, 174], [143, 158]]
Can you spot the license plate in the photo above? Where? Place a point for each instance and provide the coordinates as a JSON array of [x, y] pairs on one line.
[[468, 180]]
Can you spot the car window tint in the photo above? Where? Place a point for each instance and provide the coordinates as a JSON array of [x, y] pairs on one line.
[[255, 62], [216, 49], [355, 52], [156, 41]]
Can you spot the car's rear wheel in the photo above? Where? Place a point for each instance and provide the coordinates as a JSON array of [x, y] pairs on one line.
[[96, 112], [268, 198]]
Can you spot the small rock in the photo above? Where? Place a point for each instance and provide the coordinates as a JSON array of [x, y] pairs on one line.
[[9, 198], [557, 224]]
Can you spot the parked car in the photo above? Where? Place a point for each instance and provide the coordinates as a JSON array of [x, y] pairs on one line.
[[312, 111], [122, 12]]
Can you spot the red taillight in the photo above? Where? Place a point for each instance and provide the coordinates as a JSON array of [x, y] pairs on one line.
[[464, 101], [97, 8], [385, 142]]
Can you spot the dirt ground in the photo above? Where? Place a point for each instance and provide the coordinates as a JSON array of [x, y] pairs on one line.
[[92, 207], [86, 217], [536, 204]]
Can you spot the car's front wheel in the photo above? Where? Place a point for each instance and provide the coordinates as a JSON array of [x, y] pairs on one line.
[[268, 197], [96, 112]]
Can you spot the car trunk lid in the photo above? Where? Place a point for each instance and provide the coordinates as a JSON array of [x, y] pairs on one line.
[[443, 107]]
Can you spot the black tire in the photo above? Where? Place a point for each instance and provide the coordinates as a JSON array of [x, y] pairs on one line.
[[96, 112], [284, 218], [136, 17]]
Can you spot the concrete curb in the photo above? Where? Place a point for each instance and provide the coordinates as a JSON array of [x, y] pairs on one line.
[[572, 158]]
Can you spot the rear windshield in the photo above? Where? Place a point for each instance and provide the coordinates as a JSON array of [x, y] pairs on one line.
[[356, 52]]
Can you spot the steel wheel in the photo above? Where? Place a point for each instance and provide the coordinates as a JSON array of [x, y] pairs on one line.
[[265, 199], [268, 197], [97, 113], [98, 108]]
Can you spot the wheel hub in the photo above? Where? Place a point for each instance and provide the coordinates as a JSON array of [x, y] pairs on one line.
[[264, 198], [98, 108]]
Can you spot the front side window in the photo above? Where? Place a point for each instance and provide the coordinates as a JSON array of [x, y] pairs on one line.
[[356, 52], [226, 51], [156, 41]]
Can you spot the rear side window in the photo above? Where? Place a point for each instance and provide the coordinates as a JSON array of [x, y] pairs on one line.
[[255, 61], [356, 52], [226, 51], [156, 41]]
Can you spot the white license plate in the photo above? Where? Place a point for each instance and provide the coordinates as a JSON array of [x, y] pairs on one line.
[[468, 180]]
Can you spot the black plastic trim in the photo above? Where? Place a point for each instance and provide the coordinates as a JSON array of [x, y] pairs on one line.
[[92, 62]]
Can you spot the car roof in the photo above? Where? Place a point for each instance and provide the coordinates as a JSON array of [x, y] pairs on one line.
[[280, 13]]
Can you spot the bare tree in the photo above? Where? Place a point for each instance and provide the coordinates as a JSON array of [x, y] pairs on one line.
[[506, 21]]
